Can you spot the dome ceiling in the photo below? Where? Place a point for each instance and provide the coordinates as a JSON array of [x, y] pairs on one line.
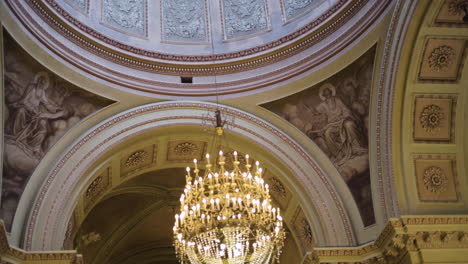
[[247, 44]]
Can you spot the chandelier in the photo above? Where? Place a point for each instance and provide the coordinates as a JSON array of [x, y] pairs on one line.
[[226, 216]]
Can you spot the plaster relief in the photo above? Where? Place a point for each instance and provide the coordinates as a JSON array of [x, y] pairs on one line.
[[138, 159], [97, 187], [185, 151], [296, 8], [40, 108], [442, 59], [432, 118], [335, 115], [126, 15], [244, 17], [453, 12], [435, 178], [184, 21], [81, 5], [303, 231], [280, 194]]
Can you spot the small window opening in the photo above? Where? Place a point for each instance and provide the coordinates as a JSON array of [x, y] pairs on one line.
[[186, 79]]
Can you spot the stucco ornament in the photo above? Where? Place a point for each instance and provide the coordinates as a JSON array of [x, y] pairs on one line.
[[136, 158], [434, 179], [244, 17], [185, 149], [127, 15], [185, 20], [431, 117], [79, 4], [92, 188], [294, 8], [457, 7], [277, 187], [441, 58]]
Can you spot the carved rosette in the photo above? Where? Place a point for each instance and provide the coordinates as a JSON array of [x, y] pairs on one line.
[[295, 8], [136, 159], [244, 17], [185, 20], [441, 58], [185, 149], [431, 117], [126, 15], [434, 179]]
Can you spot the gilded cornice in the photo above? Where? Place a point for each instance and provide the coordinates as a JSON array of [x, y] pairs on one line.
[[8, 252], [399, 237]]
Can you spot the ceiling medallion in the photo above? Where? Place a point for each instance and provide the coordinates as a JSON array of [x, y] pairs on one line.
[[226, 216], [435, 179], [441, 58], [431, 117]]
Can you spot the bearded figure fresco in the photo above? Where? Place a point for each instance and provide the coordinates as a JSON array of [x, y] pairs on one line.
[[39, 108], [335, 115]]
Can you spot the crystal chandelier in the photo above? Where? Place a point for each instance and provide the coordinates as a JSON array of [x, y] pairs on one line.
[[226, 216]]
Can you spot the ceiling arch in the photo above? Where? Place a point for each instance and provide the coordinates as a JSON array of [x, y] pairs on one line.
[[308, 176]]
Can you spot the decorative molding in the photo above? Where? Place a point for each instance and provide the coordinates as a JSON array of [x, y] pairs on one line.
[[242, 18], [185, 21], [59, 257], [436, 179], [442, 59], [138, 159], [181, 69], [433, 118], [125, 16]]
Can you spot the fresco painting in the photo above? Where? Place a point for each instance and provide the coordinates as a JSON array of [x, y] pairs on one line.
[[335, 115], [39, 108]]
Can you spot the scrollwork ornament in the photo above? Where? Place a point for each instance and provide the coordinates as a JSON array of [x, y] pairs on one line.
[[434, 179], [136, 158], [441, 58], [431, 117]]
